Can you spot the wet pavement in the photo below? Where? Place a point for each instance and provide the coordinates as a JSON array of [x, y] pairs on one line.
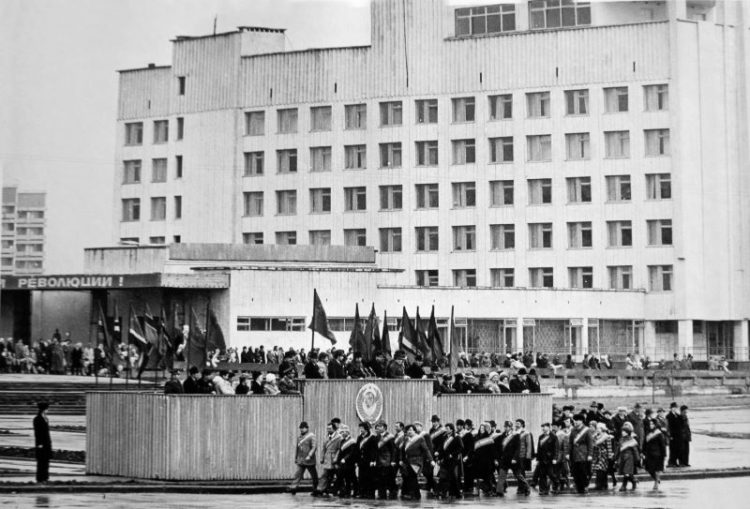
[[727, 493]]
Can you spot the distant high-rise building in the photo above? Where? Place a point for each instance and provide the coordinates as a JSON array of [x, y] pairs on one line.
[[23, 232]]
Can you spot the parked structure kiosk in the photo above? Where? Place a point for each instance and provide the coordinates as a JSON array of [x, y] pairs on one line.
[[206, 437]]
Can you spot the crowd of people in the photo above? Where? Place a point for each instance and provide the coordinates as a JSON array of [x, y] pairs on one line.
[[460, 460]]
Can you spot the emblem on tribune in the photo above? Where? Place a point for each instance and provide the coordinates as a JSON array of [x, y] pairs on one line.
[[369, 403]]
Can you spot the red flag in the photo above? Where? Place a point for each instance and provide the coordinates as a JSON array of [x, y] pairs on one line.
[[196, 342], [422, 346], [372, 336], [357, 338], [135, 332], [434, 339], [454, 346], [407, 337], [385, 340], [319, 321], [214, 335]]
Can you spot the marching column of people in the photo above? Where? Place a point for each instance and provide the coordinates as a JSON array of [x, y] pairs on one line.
[[456, 460]]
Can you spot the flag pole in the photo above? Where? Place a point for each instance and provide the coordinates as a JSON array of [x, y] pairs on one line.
[[312, 329], [205, 348], [190, 332], [127, 344], [450, 344]]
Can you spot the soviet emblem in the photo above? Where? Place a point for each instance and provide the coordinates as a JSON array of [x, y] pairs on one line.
[[369, 403]]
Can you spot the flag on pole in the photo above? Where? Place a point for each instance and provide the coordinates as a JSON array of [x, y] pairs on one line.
[[407, 337], [423, 346], [372, 336], [319, 321], [104, 338], [196, 342], [454, 346], [385, 340], [434, 339], [214, 335], [135, 331], [357, 338]]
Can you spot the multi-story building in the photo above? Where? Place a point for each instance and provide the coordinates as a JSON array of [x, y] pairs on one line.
[[585, 163], [23, 224]]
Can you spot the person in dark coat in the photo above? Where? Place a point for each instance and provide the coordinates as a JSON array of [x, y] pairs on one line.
[[532, 382], [346, 461], [674, 430], [42, 442], [311, 369], [654, 450], [414, 455], [546, 457], [686, 437], [518, 383], [173, 385], [427, 472], [636, 419], [367, 460], [336, 366], [288, 364], [581, 453], [628, 456], [386, 463], [467, 439], [507, 455], [395, 368], [449, 456], [617, 421], [415, 369], [191, 385], [483, 459]]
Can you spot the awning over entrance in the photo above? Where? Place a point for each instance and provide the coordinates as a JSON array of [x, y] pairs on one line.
[[79, 282]]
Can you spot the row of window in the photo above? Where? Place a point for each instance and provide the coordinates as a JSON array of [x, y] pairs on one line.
[[9, 212], [464, 195], [620, 277], [131, 208], [132, 170], [22, 231], [134, 132], [502, 236], [464, 109], [7, 262]]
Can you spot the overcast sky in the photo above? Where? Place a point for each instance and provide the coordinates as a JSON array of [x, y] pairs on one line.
[[58, 89]]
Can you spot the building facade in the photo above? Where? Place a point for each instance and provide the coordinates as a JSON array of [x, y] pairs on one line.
[[521, 154], [23, 232]]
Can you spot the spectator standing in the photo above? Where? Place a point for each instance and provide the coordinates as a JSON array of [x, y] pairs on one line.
[[686, 437], [654, 451], [674, 430], [173, 385], [628, 456], [191, 385], [43, 443]]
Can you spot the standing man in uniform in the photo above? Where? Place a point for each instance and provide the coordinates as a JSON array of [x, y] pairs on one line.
[[43, 443], [674, 431], [581, 453], [305, 458]]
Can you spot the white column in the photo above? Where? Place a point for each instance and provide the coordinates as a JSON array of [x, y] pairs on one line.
[[519, 346], [741, 345], [684, 337], [649, 339], [584, 336]]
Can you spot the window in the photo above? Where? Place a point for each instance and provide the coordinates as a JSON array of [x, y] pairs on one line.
[[286, 202], [320, 237], [659, 232], [655, 97], [355, 116], [501, 150], [390, 155], [255, 123], [427, 238], [464, 238], [426, 277], [245, 323], [427, 153], [286, 160], [577, 102], [156, 240], [620, 233], [540, 235], [320, 118], [178, 207], [541, 277], [487, 19], [320, 200], [9, 228], [181, 85], [501, 193], [134, 133], [581, 277], [390, 240], [537, 104], [464, 151], [427, 196], [180, 128], [391, 197], [667, 326], [287, 120], [158, 208], [355, 237], [539, 147], [579, 189], [320, 159], [465, 278], [252, 238], [131, 209], [502, 236], [617, 144], [540, 191], [159, 170], [355, 157], [558, 13], [502, 278], [253, 163], [427, 111], [618, 187], [131, 172], [659, 186], [178, 167], [657, 142], [578, 146], [161, 131], [463, 109], [288, 238], [464, 194], [501, 107], [391, 113], [616, 99], [660, 278], [355, 198], [579, 234], [620, 277]]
